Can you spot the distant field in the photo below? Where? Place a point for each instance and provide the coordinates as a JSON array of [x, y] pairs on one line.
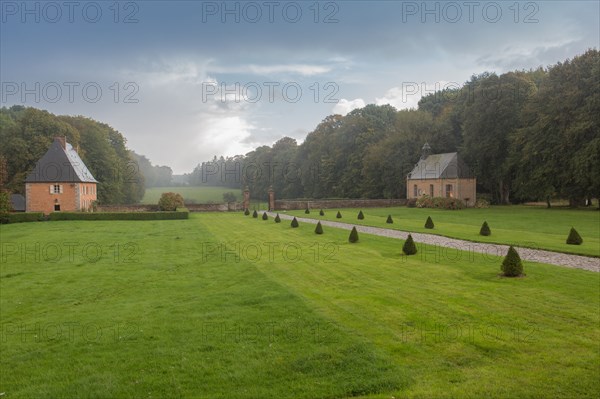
[[197, 194], [227, 306], [535, 227]]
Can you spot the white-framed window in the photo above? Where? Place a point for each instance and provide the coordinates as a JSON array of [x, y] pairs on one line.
[[56, 189]]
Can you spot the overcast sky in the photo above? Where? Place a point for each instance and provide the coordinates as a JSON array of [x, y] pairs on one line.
[[184, 81]]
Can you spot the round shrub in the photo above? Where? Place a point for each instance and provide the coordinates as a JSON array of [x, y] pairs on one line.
[[170, 201], [574, 237], [321, 213], [353, 235], [429, 223], [485, 229], [265, 216], [389, 220], [360, 215], [409, 247], [277, 219], [246, 212], [512, 265], [255, 214], [339, 215], [319, 228], [294, 223]]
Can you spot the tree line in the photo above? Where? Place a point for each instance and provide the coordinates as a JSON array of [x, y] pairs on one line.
[[527, 135]]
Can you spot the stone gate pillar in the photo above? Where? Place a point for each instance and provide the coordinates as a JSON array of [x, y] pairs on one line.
[[246, 198], [271, 199]]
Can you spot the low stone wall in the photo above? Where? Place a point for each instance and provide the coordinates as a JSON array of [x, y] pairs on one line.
[[232, 206], [290, 205], [127, 208]]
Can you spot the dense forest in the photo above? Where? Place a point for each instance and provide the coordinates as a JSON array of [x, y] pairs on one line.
[[527, 135], [26, 134]]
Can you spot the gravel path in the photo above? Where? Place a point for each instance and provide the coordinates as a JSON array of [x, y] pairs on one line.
[[534, 255]]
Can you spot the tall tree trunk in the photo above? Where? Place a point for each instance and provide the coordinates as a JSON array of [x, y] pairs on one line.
[[504, 193], [548, 205], [575, 202]]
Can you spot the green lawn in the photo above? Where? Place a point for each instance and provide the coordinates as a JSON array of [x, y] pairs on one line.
[[227, 306], [525, 226], [198, 195]]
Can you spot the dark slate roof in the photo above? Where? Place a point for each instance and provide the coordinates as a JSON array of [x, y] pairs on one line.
[[60, 165], [17, 202], [441, 166]]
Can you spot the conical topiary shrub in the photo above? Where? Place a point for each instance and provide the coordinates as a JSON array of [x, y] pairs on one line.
[[307, 211], [389, 220], [360, 215], [409, 247], [429, 223], [246, 212], [321, 213], [353, 235], [574, 237], [339, 215], [277, 219], [512, 265], [255, 214], [319, 228], [485, 230], [265, 216], [294, 223]]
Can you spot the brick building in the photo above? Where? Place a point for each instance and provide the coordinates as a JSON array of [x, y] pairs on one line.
[[60, 182], [441, 175]]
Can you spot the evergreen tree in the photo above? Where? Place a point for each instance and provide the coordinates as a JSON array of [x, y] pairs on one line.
[[294, 223], [360, 215], [265, 216], [512, 265], [321, 213], [485, 229], [246, 212], [409, 247], [307, 211], [277, 219], [574, 237], [389, 220], [319, 228], [339, 215], [353, 235], [429, 223], [255, 214]]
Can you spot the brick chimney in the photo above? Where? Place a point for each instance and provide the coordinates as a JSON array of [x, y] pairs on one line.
[[62, 141]]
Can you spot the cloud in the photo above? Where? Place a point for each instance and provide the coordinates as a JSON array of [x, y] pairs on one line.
[[344, 106], [407, 96]]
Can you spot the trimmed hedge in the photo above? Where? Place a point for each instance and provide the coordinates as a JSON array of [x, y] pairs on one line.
[[277, 219], [307, 211], [425, 201], [22, 217], [485, 229], [360, 216], [389, 220], [353, 235], [339, 215], [429, 223], [512, 265], [294, 223], [409, 247], [255, 214], [319, 229], [574, 238], [265, 216], [172, 215], [246, 212], [321, 213]]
